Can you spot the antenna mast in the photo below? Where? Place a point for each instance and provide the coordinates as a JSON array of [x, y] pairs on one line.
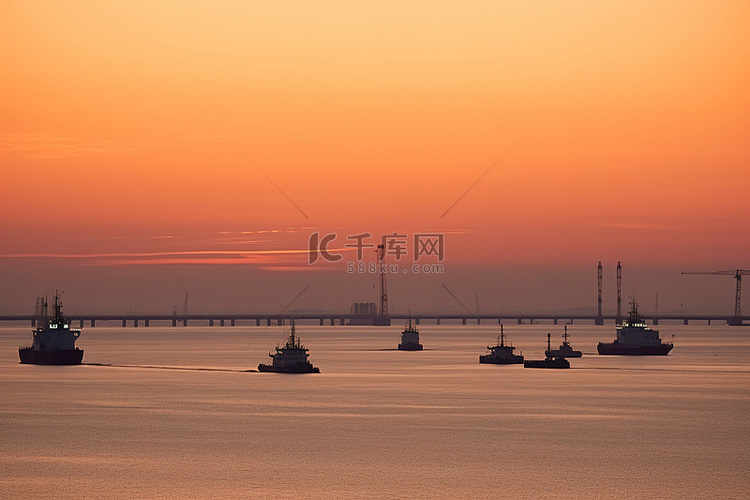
[[619, 293], [599, 318], [383, 312]]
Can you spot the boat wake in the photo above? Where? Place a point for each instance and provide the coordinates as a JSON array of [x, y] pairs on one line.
[[179, 368]]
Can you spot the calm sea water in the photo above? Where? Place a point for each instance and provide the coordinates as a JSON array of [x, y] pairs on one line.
[[376, 422]]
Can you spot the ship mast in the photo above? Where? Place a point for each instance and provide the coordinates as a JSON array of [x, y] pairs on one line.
[[58, 318], [549, 345], [634, 316]]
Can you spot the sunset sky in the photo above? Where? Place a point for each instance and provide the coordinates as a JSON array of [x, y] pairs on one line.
[[152, 149]]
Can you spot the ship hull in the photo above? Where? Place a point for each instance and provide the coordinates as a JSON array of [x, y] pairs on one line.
[[514, 360], [410, 347], [298, 368], [564, 354], [634, 350], [68, 357], [547, 363]]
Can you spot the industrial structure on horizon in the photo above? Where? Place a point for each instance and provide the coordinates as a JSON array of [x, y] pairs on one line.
[[737, 274], [368, 313]]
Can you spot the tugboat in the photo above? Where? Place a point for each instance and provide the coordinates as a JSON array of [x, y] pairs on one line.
[[54, 340], [410, 338], [501, 354], [565, 350], [548, 362], [635, 338], [291, 358]]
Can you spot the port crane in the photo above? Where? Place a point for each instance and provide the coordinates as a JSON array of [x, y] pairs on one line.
[[737, 274]]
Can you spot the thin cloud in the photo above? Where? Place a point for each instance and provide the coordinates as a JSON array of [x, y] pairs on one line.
[[202, 257], [633, 226], [56, 146]]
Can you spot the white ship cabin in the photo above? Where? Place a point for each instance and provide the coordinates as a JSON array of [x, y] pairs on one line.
[[501, 349], [56, 337], [408, 337], [637, 334], [289, 357]]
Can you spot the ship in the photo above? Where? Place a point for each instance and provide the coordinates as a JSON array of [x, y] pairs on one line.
[[501, 354], [410, 338], [549, 361], [54, 340], [565, 350], [635, 338], [290, 358]]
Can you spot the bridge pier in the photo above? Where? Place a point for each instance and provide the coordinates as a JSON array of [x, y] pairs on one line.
[[145, 322], [184, 322], [210, 322], [684, 322], [221, 322], [520, 321], [93, 323], [416, 321], [135, 322], [463, 321], [33, 322], [174, 322], [479, 321], [268, 322], [80, 324], [321, 321], [554, 321], [257, 322], [438, 321], [656, 321], [124, 324], [232, 322]]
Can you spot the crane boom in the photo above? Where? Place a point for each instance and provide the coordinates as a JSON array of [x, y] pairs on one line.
[[737, 274]]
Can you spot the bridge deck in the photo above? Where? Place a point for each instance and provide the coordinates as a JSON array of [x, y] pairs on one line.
[[332, 318]]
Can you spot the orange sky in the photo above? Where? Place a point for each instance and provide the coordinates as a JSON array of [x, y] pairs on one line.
[[629, 123]]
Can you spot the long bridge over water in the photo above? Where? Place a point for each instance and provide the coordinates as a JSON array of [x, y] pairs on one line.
[[269, 319]]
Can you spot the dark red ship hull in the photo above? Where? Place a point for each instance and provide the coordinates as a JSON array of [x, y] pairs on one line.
[[297, 368], [634, 350], [513, 360], [31, 357], [410, 347], [546, 363]]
